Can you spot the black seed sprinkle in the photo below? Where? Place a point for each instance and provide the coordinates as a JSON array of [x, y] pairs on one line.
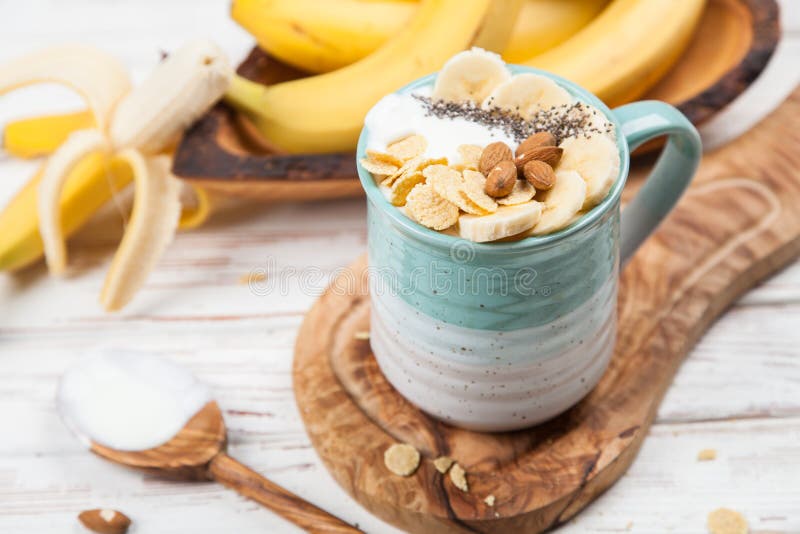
[[567, 120]]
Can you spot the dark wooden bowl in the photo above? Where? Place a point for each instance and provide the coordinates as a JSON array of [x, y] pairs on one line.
[[224, 154]]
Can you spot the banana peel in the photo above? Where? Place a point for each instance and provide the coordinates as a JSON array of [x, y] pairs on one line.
[[154, 219], [41, 136]]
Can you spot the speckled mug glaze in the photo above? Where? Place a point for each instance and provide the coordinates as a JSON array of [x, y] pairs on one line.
[[501, 336]]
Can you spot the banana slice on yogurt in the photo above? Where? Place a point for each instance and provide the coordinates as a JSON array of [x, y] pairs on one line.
[[505, 222], [561, 203], [596, 159], [470, 76], [526, 94]]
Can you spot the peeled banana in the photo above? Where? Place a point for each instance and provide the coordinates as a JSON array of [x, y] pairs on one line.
[[325, 35], [82, 173], [626, 49], [325, 113]]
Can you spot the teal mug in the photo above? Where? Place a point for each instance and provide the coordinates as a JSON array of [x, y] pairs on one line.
[[501, 336]]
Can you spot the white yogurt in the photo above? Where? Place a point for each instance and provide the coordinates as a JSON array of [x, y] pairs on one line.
[[399, 115], [129, 401]]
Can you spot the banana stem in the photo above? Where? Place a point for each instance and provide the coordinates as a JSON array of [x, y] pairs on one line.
[[244, 94]]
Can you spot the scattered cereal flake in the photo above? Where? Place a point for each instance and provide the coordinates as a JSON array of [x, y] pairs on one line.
[[726, 521], [470, 156], [378, 168], [407, 148], [443, 463], [706, 455], [251, 278], [429, 209], [474, 183], [522, 192], [459, 477], [363, 335], [403, 186], [401, 459], [489, 500], [383, 157]]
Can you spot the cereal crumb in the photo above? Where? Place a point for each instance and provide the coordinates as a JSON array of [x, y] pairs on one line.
[[252, 277], [459, 477], [706, 455], [443, 463], [726, 521], [362, 335], [489, 500], [401, 459]]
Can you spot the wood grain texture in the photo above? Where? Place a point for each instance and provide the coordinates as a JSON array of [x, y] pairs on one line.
[[736, 225]]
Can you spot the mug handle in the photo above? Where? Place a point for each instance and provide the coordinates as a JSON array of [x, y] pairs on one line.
[[675, 168]]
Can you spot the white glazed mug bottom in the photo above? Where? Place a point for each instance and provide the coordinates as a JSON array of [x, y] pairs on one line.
[[494, 381]]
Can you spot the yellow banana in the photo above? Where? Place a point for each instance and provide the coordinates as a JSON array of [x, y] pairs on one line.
[[543, 24], [40, 136], [93, 181], [626, 49], [324, 113], [325, 35]]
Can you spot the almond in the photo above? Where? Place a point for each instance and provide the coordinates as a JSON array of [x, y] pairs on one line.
[[548, 154], [501, 179], [539, 174], [105, 521], [535, 141], [493, 154]]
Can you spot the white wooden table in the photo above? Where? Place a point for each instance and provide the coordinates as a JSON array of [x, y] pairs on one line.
[[738, 392]]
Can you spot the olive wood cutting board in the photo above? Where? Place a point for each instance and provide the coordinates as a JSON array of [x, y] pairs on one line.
[[738, 222], [225, 155]]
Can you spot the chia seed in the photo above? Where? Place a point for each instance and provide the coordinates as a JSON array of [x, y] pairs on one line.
[[566, 120]]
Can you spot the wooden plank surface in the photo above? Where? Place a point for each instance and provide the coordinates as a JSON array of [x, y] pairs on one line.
[[739, 391]]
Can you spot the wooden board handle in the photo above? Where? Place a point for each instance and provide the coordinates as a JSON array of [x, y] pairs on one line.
[[247, 482]]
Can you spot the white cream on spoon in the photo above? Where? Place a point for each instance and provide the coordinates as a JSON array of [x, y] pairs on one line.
[[129, 401]]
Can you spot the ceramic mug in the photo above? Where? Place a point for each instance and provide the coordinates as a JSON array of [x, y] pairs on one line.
[[501, 336]]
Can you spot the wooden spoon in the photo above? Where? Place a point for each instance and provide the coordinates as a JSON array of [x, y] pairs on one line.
[[197, 452]]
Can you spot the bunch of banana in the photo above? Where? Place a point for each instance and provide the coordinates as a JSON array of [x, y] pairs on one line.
[[124, 139], [324, 113], [325, 35], [618, 55]]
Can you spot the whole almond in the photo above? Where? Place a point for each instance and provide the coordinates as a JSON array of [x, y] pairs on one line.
[[493, 154], [535, 141], [549, 154], [501, 179], [105, 521], [539, 174]]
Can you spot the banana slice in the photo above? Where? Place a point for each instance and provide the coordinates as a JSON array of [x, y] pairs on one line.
[[526, 94], [98, 77], [505, 222], [470, 76], [179, 90], [78, 145], [156, 210], [561, 203], [596, 159]]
